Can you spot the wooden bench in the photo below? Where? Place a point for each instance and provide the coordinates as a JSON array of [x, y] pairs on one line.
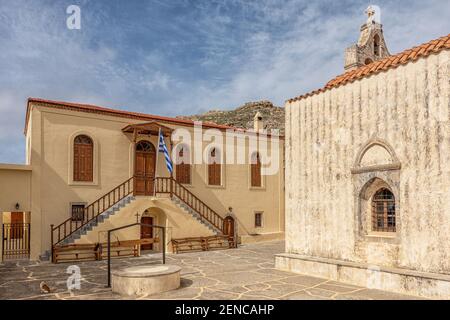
[[219, 242], [202, 243], [188, 244], [99, 251], [75, 252], [126, 248]]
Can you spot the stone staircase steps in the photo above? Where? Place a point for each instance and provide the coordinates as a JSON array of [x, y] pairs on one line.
[[194, 214], [91, 225], [101, 218]]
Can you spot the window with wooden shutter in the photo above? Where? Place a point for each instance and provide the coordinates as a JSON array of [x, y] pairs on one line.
[[183, 167], [256, 180], [214, 168], [83, 159], [383, 211]]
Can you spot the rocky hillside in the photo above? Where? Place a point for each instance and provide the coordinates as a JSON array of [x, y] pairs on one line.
[[242, 117]]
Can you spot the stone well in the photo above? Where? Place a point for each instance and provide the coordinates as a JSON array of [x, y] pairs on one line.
[[145, 279]]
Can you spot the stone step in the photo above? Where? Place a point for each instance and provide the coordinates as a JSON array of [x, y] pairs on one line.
[[194, 214], [101, 218]]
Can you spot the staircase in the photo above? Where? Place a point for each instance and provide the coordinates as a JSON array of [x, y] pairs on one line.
[[94, 222], [121, 196], [180, 204], [95, 213], [190, 203]]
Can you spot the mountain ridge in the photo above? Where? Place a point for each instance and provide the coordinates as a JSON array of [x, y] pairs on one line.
[[242, 116]]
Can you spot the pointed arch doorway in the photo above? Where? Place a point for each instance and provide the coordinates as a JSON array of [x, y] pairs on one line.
[[144, 168]]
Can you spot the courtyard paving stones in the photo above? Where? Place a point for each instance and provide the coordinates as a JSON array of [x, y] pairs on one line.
[[244, 273]]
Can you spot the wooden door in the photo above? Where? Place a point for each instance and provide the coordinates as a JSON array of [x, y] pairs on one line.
[[17, 225], [146, 232], [144, 169], [228, 226], [83, 159]]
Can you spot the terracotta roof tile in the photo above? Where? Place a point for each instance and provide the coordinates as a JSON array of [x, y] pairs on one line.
[[391, 62]]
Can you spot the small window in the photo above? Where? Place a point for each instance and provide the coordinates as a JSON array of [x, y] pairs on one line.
[[383, 211], [214, 168], [258, 219], [77, 212], [83, 160], [145, 147]]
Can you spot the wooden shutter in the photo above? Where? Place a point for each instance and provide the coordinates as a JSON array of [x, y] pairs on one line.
[[183, 170], [83, 159], [214, 170], [256, 180]]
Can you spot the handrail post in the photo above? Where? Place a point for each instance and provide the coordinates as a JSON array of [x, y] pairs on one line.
[[51, 239], [171, 187], [164, 245], [109, 259]]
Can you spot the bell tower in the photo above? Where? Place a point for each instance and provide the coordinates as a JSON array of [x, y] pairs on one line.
[[371, 45]]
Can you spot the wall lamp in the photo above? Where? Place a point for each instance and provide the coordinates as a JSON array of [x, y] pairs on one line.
[[17, 206]]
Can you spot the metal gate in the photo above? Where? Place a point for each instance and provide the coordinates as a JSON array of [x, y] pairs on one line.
[[16, 241]]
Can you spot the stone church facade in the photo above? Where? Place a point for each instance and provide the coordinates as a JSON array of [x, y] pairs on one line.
[[368, 171]]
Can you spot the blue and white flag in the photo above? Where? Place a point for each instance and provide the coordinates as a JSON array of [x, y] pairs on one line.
[[163, 149]]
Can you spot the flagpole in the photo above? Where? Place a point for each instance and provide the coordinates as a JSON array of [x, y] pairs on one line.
[[156, 164]]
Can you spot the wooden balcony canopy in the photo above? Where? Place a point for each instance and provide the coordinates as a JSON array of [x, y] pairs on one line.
[[148, 128]]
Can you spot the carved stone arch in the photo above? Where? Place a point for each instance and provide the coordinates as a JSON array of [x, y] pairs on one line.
[[376, 155], [375, 183], [369, 188]]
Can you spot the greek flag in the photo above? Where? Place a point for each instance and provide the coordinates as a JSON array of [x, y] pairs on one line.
[[163, 149]]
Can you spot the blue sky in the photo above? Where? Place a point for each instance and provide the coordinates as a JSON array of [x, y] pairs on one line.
[[183, 57]]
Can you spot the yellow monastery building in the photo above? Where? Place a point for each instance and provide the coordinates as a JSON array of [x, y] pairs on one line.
[[90, 169]]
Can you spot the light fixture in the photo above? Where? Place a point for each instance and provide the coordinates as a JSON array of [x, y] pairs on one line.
[[17, 206]]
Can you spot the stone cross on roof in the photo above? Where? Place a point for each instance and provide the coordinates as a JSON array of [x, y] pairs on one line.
[[370, 11]]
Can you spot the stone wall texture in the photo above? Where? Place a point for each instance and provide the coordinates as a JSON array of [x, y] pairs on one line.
[[408, 108]]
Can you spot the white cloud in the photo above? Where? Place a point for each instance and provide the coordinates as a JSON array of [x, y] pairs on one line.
[[237, 51]]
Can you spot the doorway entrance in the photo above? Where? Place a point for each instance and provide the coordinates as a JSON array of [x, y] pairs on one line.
[[228, 227], [16, 236], [146, 232], [144, 168]]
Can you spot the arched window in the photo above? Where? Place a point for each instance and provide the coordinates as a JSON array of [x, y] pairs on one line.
[[214, 168], [255, 168], [368, 61], [383, 211], [145, 146], [376, 45], [83, 159], [183, 165]]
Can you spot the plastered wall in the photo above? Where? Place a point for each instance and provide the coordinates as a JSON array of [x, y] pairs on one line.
[[408, 108]]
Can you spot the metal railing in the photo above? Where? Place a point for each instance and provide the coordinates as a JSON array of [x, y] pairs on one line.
[[91, 212], [16, 241], [170, 186]]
